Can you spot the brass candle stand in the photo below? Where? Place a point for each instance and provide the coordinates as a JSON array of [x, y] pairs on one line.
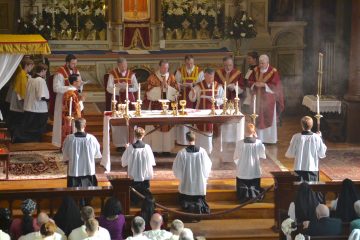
[[183, 104], [137, 105], [212, 112], [165, 106], [113, 108], [236, 105], [318, 116], [174, 106], [224, 112], [253, 117]]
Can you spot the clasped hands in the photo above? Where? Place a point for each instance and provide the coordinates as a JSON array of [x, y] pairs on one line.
[[121, 86], [259, 84]]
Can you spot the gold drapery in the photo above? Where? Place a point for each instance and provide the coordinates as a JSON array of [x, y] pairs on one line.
[[136, 9], [26, 44]]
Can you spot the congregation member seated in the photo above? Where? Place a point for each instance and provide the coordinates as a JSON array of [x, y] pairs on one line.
[[93, 231], [354, 235], [137, 228], [26, 224], [306, 147], [4, 235], [5, 219], [79, 233], [186, 234], [139, 159], [247, 155], [324, 225], [355, 224], [156, 233], [68, 216], [345, 202], [304, 206], [148, 209], [47, 232], [176, 228], [43, 218], [112, 218]]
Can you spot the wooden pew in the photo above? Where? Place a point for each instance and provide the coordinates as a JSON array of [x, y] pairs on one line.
[[48, 199], [286, 187]]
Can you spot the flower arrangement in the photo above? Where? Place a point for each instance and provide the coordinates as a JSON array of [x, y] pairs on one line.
[[35, 25], [175, 12], [241, 26], [288, 226], [203, 10]]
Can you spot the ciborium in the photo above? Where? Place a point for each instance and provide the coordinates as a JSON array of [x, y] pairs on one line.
[[183, 104], [165, 106]]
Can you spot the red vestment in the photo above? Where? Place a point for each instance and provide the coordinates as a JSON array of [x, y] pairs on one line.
[[118, 78], [187, 78], [265, 101], [233, 78], [75, 112]]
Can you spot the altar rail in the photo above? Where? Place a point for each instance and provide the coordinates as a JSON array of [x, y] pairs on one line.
[[286, 187], [49, 199]]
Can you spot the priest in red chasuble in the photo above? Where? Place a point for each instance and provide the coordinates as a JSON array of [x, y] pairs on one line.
[[72, 105], [202, 94], [187, 76], [120, 77], [161, 85], [60, 86], [266, 86]]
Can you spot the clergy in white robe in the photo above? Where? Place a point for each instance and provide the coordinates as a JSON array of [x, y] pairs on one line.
[[187, 76], [60, 86], [307, 148], [35, 108], [192, 166], [118, 77], [81, 149], [247, 155], [139, 159], [202, 94]]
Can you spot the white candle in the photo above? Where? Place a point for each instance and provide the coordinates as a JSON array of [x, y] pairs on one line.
[[254, 109], [318, 104], [139, 94], [213, 90], [225, 90], [237, 89], [127, 90], [70, 106], [114, 93]]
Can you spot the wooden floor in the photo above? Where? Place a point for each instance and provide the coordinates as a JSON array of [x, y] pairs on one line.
[[253, 222]]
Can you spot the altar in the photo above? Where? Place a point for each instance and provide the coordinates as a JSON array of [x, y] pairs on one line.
[[155, 117]]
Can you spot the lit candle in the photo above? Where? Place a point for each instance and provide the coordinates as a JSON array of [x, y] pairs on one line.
[[254, 109], [318, 104], [70, 106], [237, 89], [213, 90], [127, 90], [225, 90], [114, 93], [139, 94]]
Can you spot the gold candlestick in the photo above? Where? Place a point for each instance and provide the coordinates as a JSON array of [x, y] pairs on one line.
[[212, 112], [113, 108], [236, 103], [174, 106], [253, 117], [183, 104], [318, 116], [137, 105], [165, 106], [224, 112]]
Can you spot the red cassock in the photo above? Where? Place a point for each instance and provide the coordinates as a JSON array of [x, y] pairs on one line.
[[65, 72], [187, 78], [118, 78], [232, 78], [205, 103], [265, 102]]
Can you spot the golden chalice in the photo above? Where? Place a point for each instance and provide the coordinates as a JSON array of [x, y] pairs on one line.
[[121, 108], [165, 106], [183, 104], [174, 106]]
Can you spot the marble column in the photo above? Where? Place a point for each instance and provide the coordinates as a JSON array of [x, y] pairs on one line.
[[117, 24], [352, 96]]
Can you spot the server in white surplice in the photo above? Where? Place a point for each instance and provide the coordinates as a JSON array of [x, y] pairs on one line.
[[307, 147], [139, 159], [192, 167], [247, 155], [81, 149]]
